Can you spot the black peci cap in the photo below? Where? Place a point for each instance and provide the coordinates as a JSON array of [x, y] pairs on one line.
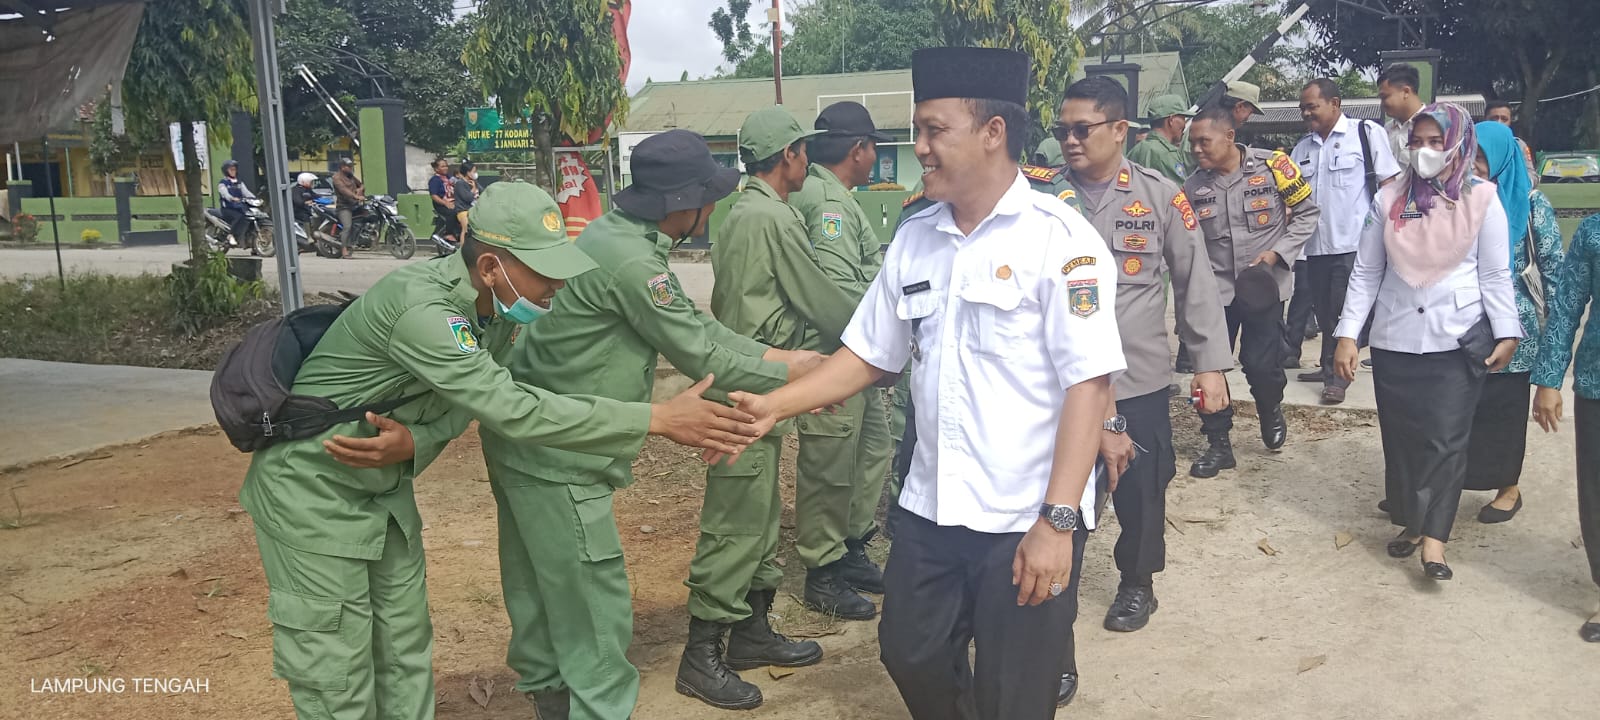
[[849, 119], [971, 73]]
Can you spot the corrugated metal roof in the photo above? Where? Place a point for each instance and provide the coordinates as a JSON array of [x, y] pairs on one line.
[[716, 108], [1283, 116]]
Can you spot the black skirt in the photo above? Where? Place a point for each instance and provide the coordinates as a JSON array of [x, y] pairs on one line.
[[1425, 409], [1499, 432]]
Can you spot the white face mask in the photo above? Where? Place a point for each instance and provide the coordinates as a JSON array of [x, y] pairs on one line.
[[1430, 162], [473, 174]]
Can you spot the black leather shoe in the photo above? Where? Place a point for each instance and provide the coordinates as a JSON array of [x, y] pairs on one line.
[[827, 592], [1217, 457], [1383, 505], [1132, 609], [551, 705], [1436, 570], [753, 643], [1590, 632], [1069, 688], [858, 570], [1491, 515], [1401, 547], [703, 674], [1291, 362], [1314, 376], [1274, 428]]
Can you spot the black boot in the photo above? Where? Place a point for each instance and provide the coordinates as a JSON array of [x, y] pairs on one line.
[[1216, 458], [551, 704], [703, 674], [753, 643], [828, 592], [1274, 428], [858, 570], [1132, 608]]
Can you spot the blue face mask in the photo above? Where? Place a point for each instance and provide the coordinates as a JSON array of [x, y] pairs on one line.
[[522, 311]]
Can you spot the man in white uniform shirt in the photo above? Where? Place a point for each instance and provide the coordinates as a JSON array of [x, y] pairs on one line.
[[1346, 161], [1400, 101], [1004, 297]]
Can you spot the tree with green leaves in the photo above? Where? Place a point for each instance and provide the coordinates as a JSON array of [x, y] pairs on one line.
[[556, 58], [190, 63], [842, 36], [362, 49], [1040, 28]]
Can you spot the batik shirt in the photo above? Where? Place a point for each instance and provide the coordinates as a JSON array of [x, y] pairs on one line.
[[1547, 245], [1578, 281]]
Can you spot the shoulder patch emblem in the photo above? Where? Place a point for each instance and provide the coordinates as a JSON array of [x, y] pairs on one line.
[[1083, 296], [1132, 266], [552, 221], [1185, 211], [1124, 180], [661, 292], [1285, 166], [1137, 209], [461, 328], [914, 197], [1257, 180], [1043, 174], [1076, 263], [832, 225], [1180, 168]]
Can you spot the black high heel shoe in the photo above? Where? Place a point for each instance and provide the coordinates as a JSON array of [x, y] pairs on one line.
[[1437, 570], [1402, 547]]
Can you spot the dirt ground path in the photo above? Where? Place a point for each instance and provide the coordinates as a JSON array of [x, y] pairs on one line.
[[139, 564]]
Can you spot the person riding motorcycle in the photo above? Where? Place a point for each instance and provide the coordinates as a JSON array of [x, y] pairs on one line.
[[441, 188], [349, 193], [466, 191], [305, 203], [234, 198]]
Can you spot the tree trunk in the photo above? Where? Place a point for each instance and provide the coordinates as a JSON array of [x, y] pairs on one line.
[[545, 155], [194, 201]]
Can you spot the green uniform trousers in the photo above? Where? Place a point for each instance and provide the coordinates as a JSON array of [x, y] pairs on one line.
[[897, 427], [351, 637], [738, 548], [843, 459], [566, 591]]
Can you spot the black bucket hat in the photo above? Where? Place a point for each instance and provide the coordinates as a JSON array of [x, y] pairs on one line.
[[674, 171]]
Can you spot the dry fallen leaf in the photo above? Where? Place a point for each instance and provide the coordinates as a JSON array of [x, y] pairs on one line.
[[1265, 547], [236, 634], [1308, 664], [779, 673], [180, 574], [481, 692], [1341, 539]]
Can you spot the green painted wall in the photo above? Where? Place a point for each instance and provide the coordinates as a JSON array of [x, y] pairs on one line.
[[374, 166], [1579, 199]]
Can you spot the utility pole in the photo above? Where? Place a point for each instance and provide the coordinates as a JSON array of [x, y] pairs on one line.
[[270, 95], [775, 15]]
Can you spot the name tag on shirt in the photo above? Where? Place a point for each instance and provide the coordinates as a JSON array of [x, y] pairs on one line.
[[915, 288]]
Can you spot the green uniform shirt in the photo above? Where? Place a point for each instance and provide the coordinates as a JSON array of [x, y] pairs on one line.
[[414, 332], [602, 337], [847, 247], [769, 284], [1159, 154]]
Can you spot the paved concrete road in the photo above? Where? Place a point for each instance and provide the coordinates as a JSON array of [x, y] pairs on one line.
[[317, 274], [49, 409]]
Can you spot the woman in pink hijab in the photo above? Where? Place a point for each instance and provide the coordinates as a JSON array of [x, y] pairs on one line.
[[1434, 269]]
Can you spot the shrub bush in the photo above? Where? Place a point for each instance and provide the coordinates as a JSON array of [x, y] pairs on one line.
[[90, 235], [25, 227]]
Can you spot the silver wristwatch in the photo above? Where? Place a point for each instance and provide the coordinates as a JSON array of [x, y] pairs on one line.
[[1064, 518], [1117, 424]]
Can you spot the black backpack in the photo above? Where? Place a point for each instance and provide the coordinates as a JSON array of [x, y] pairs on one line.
[[250, 389]]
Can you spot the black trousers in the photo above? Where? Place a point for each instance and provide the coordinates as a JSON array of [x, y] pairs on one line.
[[1259, 339], [235, 221], [1300, 314], [1425, 409], [947, 587], [1329, 276], [1499, 432], [1586, 425]]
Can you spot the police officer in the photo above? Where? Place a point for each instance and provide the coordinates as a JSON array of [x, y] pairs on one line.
[[770, 288], [844, 456], [1147, 222], [561, 566], [1255, 211], [1004, 299], [1169, 116], [336, 521]]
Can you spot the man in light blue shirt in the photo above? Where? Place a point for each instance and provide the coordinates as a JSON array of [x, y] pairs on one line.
[[1346, 161]]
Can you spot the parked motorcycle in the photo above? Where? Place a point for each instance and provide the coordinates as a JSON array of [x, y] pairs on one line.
[[257, 231]]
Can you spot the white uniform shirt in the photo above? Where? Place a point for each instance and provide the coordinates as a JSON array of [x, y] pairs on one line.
[[1338, 176], [1006, 319], [1433, 319]]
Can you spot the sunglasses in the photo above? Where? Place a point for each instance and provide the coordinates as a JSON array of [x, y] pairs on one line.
[[1080, 131]]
